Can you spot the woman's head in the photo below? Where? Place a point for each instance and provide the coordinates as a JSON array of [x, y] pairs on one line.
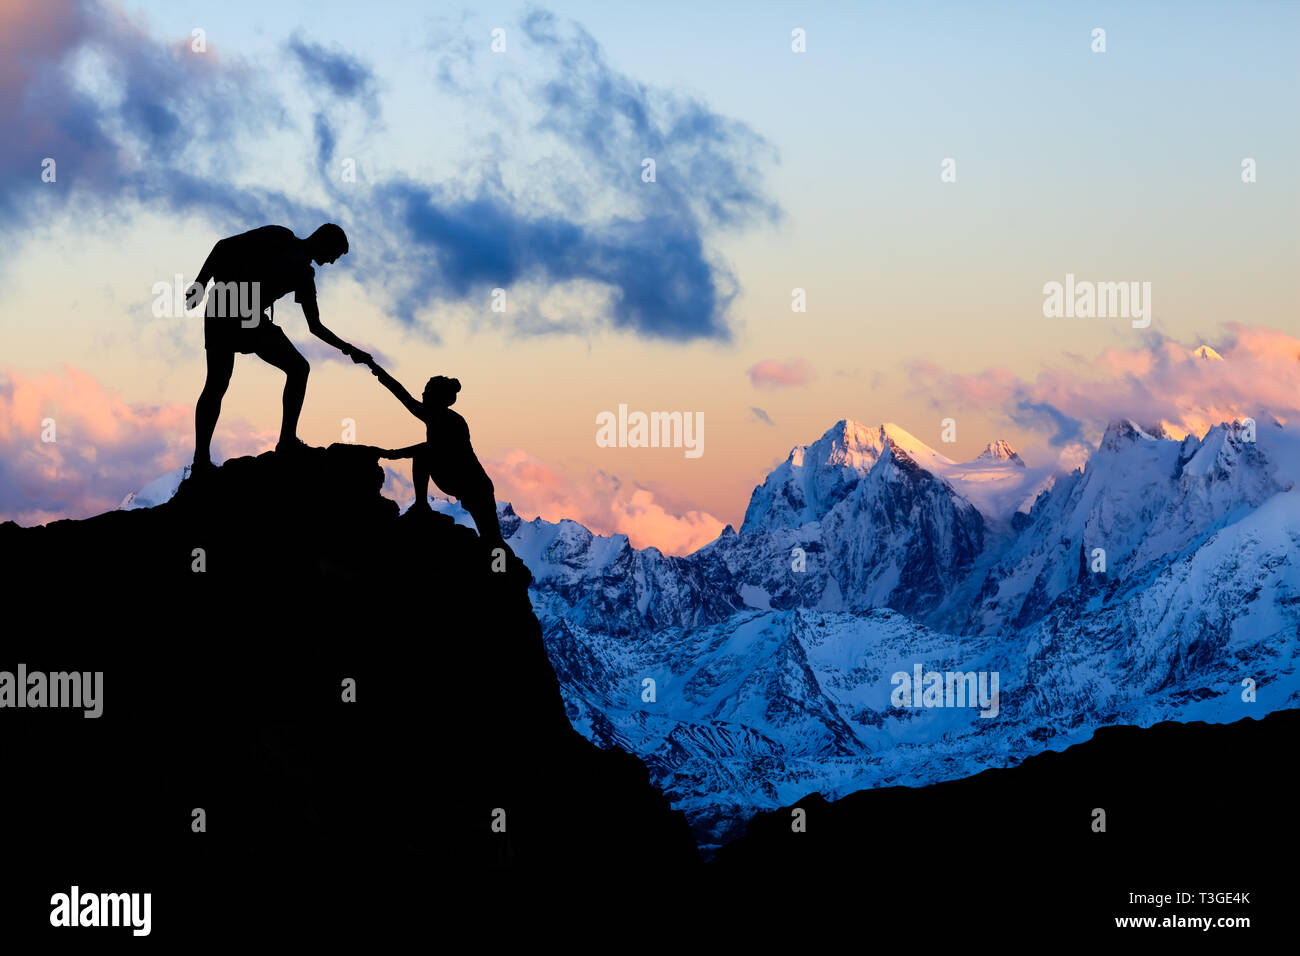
[[441, 390]]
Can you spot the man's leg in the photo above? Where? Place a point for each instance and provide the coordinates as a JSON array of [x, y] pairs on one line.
[[276, 349], [221, 362]]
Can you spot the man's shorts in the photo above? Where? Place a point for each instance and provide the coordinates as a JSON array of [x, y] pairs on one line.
[[230, 335]]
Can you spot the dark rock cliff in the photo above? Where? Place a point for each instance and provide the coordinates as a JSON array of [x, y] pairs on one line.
[[223, 690]]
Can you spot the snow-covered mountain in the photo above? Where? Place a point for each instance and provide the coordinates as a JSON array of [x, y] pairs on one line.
[[1147, 585], [1143, 499], [816, 477], [772, 677]]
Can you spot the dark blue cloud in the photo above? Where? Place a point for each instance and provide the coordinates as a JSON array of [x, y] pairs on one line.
[[196, 120], [1041, 416], [706, 164], [654, 257], [662, 285], [758, 415], [344, 75], [180, 111]]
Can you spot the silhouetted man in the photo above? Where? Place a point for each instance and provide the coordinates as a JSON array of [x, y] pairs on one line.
[[252, 270]]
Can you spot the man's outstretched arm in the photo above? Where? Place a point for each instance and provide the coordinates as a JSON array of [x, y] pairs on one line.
[[399, 392], [318, 329]]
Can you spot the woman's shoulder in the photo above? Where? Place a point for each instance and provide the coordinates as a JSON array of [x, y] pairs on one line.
[[443, 417]]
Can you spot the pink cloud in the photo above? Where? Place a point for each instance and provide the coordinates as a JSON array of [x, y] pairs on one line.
[[773, 373], [104, 447], [604, 504], [598, 500], [1161, 384], [647, 523]]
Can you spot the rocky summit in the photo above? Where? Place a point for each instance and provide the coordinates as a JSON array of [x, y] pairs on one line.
[[342, 690]]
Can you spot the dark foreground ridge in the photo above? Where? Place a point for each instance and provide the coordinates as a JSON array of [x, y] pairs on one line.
[[1189, 807], [223, 689]]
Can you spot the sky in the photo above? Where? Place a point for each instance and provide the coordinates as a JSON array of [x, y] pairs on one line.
[[919, 171]]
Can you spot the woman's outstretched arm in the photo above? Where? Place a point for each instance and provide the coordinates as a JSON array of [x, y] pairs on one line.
[[394, 386], [410, 451]]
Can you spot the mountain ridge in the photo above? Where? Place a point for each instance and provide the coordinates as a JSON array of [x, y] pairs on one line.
[[1132, 589]]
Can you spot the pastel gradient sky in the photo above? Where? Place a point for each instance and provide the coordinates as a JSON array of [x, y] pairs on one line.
[[522, 170]]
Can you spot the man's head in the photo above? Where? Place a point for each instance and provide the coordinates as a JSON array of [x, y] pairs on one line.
[[327, 243], [441, 390]]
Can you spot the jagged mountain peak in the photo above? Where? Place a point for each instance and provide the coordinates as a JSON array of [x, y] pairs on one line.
[[853, 443], [1207, 353], [1000, 450], [847, 443], [816, 477], [1124, 433]]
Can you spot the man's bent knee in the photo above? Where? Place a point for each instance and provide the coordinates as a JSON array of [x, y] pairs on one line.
[[214, 390]]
